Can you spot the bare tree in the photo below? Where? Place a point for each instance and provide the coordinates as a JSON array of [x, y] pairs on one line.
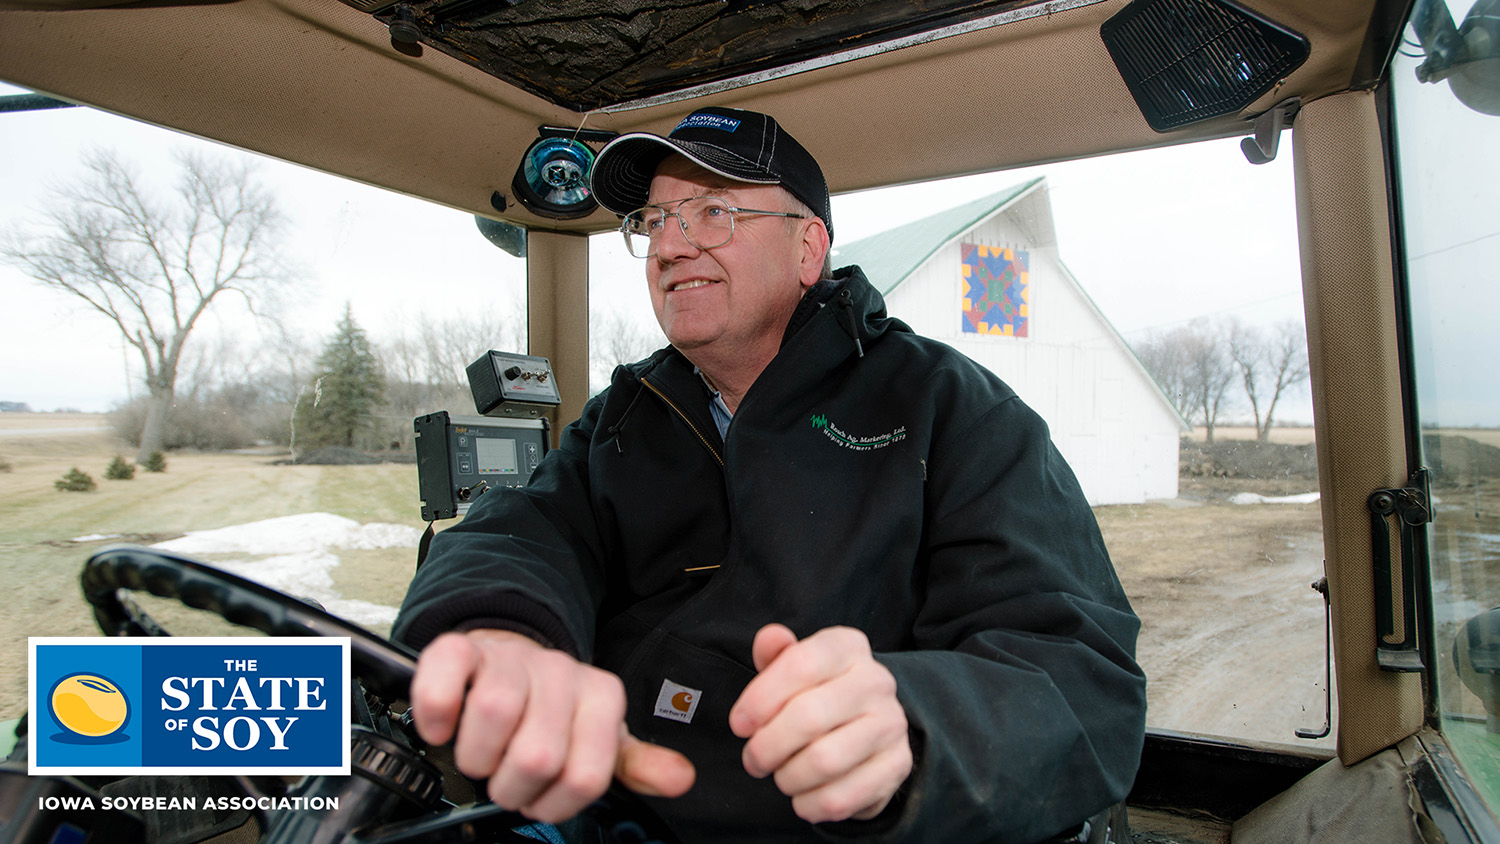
[[1193, 366], [1210, 372], [1269, 365], [452, 343], [615, 340], [1164, 359], [1247, 348], [425, 368], [153, 266]]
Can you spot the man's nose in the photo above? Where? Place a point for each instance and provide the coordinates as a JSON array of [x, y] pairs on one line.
[[672, 243]]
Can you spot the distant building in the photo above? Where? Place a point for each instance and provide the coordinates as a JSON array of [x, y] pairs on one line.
[[14, 407], [985, 278]]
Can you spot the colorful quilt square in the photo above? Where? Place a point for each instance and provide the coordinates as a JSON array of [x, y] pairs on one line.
[[997, 289]]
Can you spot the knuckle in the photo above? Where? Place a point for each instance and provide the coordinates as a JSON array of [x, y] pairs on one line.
[[549, 661], [822, 806], [825, 761], [536, 761], [607, 686], [803, 663], [451, 645], [811, 714], [496, 707], [755, 755], [893, 717], [500, 796], [839, 807], [892, 769], [850, 638], [581, 784], [429, 701]]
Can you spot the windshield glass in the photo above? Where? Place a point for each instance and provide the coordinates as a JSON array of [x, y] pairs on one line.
[[1125, 298], [1132, 312], [343, 311]]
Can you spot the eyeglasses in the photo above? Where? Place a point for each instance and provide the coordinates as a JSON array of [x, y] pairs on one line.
[[706, 221]]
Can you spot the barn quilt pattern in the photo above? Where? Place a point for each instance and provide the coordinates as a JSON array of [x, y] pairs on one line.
[[997, 289]]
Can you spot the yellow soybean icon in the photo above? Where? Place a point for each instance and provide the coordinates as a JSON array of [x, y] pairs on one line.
[[89, 705]]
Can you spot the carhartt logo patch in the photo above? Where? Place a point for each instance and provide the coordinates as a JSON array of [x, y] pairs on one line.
[[677, 703]]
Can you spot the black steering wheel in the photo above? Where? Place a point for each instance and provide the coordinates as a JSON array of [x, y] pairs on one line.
[[384, 668]]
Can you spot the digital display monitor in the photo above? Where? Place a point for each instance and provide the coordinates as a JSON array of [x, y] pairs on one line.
[[495, 456], [460, 457]]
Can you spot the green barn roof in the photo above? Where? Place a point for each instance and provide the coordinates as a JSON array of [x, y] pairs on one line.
[[889, 257]]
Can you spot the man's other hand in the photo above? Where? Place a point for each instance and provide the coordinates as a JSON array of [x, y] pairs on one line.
[[823, 718], [547, 731]]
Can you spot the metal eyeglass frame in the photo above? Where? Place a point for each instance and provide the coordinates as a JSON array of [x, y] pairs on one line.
[[683, 225]]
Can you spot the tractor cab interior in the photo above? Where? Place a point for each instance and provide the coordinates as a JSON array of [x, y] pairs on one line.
[[1370, 124]]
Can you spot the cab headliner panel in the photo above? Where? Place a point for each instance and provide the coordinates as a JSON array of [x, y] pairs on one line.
[[593, 55]]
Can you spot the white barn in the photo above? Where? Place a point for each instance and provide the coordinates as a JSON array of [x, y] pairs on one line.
[[986, 278]]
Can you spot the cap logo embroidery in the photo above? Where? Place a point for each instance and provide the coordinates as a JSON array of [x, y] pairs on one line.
[[677, 702], [708, 121]]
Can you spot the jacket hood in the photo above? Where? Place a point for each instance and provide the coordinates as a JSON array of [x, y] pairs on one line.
[[865, 317]]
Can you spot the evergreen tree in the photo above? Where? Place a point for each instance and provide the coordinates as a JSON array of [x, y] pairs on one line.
[[76, 480], [119, 469], [346, 391]]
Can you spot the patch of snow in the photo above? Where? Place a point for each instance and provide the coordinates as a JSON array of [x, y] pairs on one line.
[[294, 534], [304, 575], [95, 537], [293, 554], [363, 613], [1252, 498]]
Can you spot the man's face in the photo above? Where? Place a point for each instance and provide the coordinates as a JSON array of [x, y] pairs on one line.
[[732, 301]]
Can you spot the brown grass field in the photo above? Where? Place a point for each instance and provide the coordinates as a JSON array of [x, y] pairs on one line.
[[1288, 436], [1232, 637]]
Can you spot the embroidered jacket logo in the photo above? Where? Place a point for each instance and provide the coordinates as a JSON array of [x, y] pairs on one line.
[[830, 430]]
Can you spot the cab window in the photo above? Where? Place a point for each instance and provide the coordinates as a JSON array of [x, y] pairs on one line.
[[1149, 307], [1447, 180]]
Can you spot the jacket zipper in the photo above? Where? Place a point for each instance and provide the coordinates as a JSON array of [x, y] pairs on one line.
[[694, 428]]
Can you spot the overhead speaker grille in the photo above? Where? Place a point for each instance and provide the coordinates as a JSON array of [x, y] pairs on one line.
[[1191, 60]]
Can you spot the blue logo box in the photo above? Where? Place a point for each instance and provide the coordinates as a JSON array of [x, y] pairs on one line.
[[189, 706]]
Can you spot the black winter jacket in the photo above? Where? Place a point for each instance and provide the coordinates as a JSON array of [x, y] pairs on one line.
[[870, 478]]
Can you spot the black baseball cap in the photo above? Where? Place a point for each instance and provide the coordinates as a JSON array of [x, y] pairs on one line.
[[745, 146]]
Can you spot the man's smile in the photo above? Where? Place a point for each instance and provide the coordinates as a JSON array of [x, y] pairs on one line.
[[689, 285]]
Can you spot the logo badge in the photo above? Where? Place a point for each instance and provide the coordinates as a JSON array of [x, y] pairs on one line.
[[708, 121], [677, 703], [89, 706], [854, 442], [183, 705]]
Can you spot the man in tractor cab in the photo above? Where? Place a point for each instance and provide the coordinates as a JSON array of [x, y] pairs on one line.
[[811, 575]]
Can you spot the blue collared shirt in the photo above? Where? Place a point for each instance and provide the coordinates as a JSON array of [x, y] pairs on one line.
[[717, 408]]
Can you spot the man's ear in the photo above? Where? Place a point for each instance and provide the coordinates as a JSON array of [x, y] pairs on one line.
[[815, 244]]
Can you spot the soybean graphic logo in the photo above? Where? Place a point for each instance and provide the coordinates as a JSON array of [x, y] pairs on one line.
[[190, 706], [89, 706]]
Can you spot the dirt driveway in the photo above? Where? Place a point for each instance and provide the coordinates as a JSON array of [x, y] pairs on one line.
[[1231, 633]]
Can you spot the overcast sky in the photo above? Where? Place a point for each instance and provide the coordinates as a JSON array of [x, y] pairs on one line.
[[1157, 238]]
